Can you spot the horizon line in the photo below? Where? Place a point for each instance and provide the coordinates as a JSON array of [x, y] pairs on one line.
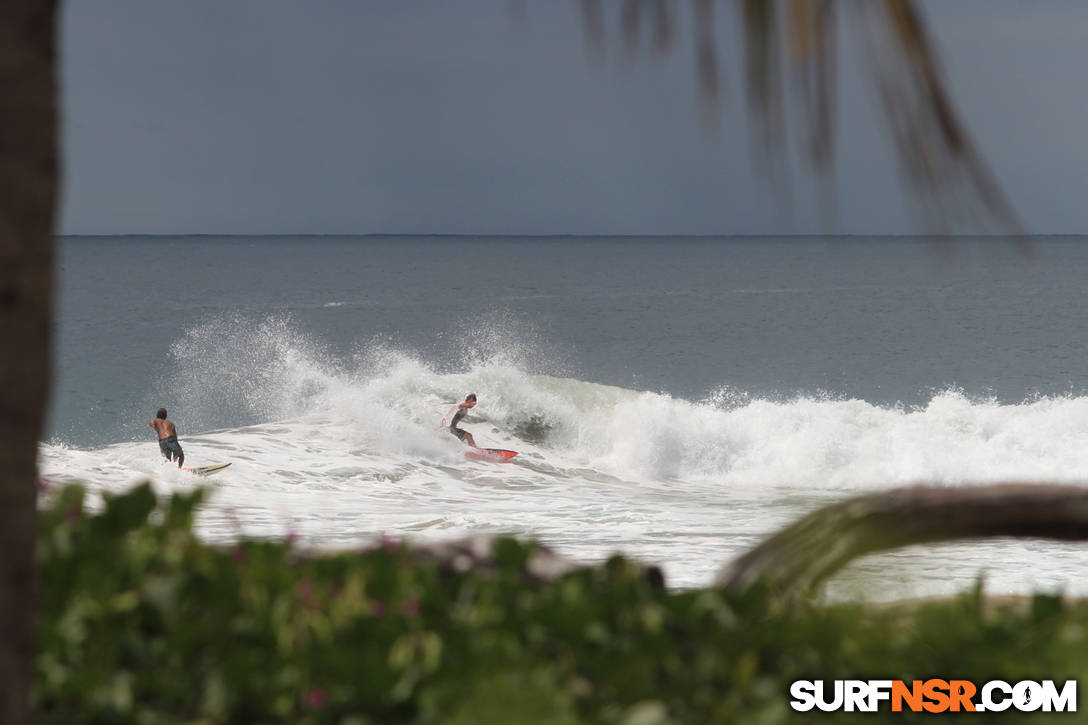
[[503, 235]]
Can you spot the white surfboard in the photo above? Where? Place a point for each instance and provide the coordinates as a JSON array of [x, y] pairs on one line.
[[206, 470]]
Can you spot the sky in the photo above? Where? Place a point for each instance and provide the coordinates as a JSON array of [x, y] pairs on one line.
[[497, 117]]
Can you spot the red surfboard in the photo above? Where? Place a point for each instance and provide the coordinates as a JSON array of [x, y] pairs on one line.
[[491, 454]]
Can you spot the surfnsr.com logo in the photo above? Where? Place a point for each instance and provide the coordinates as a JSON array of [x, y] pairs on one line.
[[933, 695]]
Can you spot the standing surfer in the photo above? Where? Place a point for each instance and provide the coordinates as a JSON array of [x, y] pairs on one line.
[[463, 408], [168, 437]]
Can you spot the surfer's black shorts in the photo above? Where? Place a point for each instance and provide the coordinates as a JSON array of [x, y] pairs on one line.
[[170, 447], [459, 432]]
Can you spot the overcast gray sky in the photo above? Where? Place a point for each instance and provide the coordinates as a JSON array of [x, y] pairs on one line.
[[428, 116]]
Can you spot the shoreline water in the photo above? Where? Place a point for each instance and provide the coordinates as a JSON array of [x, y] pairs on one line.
[[674, 400]]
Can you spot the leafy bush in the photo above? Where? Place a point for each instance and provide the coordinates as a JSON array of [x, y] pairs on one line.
[[140, 622]]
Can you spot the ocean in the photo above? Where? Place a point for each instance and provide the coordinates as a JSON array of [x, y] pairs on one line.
[[673, 399]]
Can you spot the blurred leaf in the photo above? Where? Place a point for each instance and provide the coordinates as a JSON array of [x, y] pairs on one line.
[[128, 510], [129, 632]]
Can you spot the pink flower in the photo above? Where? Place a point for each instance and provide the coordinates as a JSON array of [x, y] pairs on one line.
[[410, 607], [307, 595], [378, 608], [316, 699], [74, 513], [238, 553]]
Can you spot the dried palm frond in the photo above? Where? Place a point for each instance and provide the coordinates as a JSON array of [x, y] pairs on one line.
[[941, 165], [944, 171]]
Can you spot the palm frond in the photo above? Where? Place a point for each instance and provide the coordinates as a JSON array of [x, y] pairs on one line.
[[944, 171], [952, 183], [706, 60]]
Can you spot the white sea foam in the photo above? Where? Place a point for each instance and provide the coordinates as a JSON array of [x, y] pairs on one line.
[[340, 451]]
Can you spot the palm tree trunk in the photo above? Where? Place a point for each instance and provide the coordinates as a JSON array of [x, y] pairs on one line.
[[28, 191], [795, 560]]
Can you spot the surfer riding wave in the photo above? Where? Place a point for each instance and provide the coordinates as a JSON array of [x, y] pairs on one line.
[[462, 409]]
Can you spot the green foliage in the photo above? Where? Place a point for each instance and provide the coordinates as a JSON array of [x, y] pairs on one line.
[[140, 622]]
